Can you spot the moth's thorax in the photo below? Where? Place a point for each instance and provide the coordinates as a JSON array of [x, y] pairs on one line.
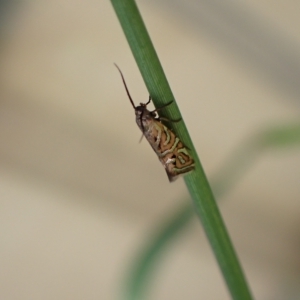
[[144, 117]]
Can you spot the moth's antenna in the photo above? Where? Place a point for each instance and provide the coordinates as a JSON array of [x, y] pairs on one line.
[[125, 87]]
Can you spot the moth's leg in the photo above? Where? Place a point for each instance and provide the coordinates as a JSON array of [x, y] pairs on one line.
[[141, 138], [162, 107], [148, 100], [165, 119], [169, 120]]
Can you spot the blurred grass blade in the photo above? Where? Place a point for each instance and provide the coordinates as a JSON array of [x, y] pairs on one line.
[[272, 138], [196, 182], [137, 280], [280, 136]]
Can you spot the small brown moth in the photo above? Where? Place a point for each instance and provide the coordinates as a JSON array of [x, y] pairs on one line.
[[170, 150]]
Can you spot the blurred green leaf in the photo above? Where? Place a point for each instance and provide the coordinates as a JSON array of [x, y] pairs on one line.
[[280, 136]]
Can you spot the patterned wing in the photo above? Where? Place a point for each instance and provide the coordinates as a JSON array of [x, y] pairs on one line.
[[170, 150]]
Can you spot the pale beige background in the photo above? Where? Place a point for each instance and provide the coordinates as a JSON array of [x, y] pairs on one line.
[[79, 195]]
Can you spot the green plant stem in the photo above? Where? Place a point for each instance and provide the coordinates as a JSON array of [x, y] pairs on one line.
[[197, 184]]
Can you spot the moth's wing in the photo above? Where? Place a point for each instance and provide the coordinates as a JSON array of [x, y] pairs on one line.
[[171, 176], [170, 150], [174, 155]]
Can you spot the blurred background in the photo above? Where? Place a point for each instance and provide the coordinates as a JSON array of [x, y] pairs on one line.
[[80, 196]]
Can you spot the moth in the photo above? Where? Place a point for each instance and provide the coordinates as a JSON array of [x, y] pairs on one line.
[[168, 147]]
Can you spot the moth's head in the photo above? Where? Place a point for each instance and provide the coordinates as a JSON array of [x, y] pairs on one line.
[[142, 111]]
